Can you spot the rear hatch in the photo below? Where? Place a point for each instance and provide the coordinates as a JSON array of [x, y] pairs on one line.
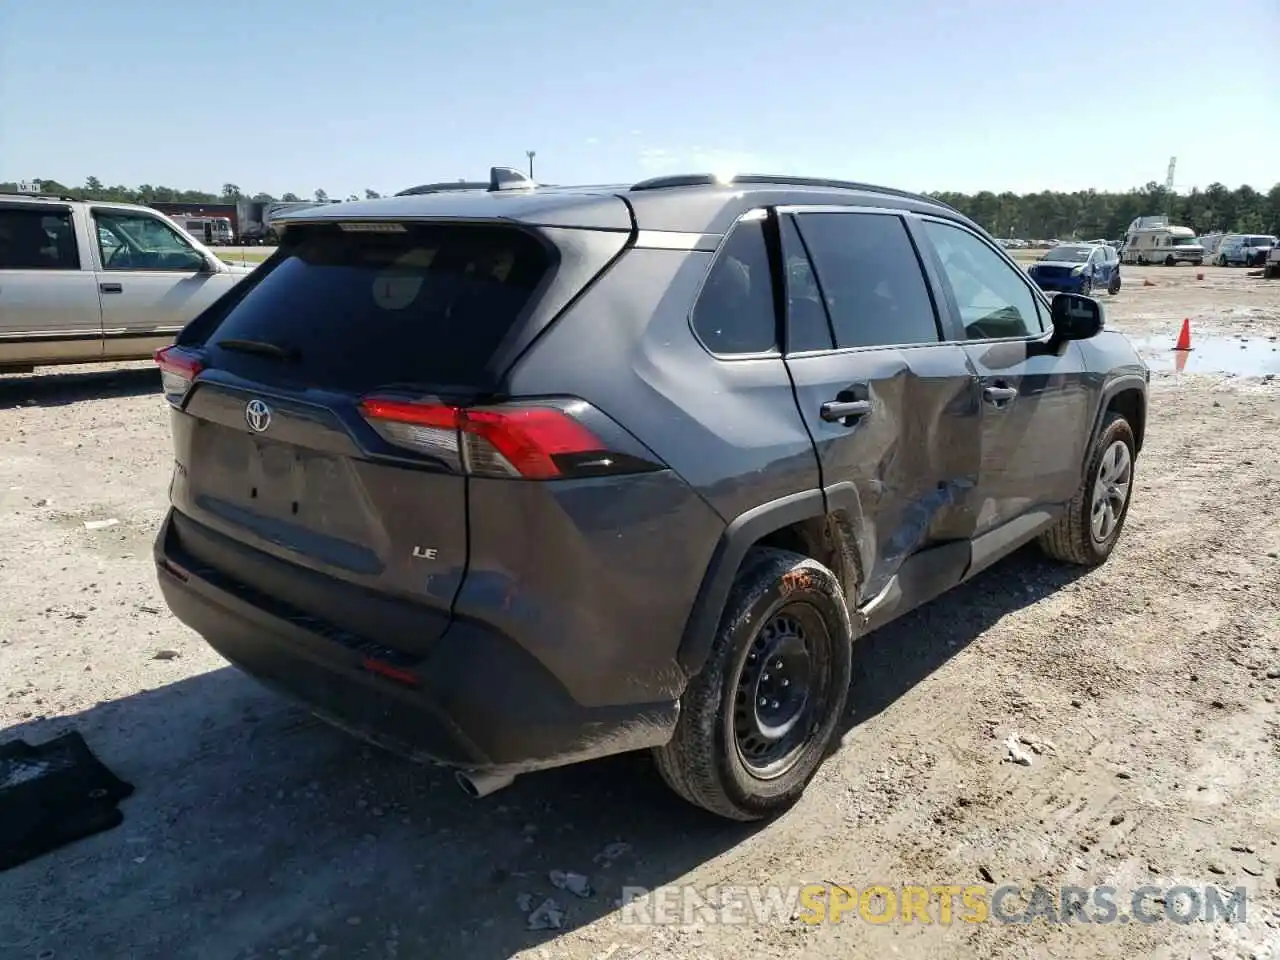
[[320, 448]]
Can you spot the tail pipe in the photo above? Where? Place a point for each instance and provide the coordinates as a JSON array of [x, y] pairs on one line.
[[479, 784]]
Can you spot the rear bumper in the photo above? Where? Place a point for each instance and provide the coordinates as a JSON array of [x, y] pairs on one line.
[[476, 701]]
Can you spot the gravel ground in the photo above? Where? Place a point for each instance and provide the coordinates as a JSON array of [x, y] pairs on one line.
[[1148, 687]]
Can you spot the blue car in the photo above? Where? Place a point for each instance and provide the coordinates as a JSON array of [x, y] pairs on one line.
[[1078, 268]]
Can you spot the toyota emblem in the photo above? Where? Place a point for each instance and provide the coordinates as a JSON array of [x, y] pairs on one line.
[[258, 415]]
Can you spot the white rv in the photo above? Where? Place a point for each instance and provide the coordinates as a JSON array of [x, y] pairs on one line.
[[212, 231], [1155, 240]]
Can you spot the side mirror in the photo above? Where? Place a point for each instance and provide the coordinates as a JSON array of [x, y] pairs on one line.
[[1075, 317], [204, 264]]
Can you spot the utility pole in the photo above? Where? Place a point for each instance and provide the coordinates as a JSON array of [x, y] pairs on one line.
[[531, 154]]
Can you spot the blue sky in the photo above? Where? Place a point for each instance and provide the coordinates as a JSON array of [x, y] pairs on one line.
[[283, 95]]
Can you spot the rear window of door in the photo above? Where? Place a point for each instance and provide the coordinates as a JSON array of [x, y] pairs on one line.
[[870, 278], [353, 311], [37, 239], [992, 296]]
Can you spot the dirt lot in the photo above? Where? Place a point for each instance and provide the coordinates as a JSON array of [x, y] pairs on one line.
[[258, 832]]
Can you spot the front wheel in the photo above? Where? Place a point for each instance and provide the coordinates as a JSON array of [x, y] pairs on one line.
[[1086, 287], [1087, 533], [759, 719], [1114, 287], [1170, 262]]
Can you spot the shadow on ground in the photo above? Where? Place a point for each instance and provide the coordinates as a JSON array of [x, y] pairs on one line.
[[257, 831], [75, 386]]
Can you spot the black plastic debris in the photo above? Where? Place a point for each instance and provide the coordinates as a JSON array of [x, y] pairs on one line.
[[53, 794]]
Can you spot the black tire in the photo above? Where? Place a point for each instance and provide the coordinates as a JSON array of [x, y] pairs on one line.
[[1114, 286], [1169, 261], [1072, 538], [704, 762], [1086, 287]]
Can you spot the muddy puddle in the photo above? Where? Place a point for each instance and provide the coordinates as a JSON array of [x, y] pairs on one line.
[[1241, 356]]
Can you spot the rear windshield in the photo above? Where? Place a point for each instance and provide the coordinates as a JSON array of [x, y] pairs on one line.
[[1069, 254], [358, 310]]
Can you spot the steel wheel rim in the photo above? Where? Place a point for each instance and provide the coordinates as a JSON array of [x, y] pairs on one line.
[[781, 691], [1111, 490]]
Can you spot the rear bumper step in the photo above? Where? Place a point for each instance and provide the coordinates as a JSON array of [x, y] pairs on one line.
[[475, 700]]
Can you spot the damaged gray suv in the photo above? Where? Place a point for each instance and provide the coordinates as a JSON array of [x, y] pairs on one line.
[[512, 476]]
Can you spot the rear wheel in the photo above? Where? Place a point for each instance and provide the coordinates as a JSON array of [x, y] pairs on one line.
[[1087, 533], [1170, 262], [758, 720]]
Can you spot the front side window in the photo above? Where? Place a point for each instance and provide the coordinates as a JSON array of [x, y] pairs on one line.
[[735, 312], [994, 301], [140, 242], [35, 239], [871, 280]]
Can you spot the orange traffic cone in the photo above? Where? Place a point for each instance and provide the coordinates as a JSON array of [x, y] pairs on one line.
[[1180, 360], [1184, 338]]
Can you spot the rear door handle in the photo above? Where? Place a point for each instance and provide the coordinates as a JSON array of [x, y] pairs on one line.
[[998, 394], [111, 288], [837, 410]]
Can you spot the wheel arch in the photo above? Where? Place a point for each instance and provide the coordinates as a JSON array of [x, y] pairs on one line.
[[1127, 396], [814, 523]]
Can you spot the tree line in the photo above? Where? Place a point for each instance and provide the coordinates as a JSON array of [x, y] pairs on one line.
[[1089, 214], [95, 189], [1084, 214]]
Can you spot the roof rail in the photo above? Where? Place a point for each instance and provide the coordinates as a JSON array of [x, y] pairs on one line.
[[37, 196], [709, 180], [441, 187]]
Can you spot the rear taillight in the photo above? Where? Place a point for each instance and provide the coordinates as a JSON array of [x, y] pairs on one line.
[[528, 441], [177, 369]]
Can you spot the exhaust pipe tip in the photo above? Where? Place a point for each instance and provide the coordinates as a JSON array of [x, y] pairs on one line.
[[477, 785]]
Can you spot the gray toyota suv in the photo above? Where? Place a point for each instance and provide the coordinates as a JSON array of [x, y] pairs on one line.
[[515, 476]]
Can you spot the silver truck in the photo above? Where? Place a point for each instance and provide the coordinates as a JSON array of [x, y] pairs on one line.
[[83, 281]]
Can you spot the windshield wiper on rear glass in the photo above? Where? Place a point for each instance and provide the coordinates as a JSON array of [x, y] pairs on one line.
[[262, 348]]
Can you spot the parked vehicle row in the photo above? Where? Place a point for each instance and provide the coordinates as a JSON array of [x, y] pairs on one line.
[[513, 477], [1244, 250]]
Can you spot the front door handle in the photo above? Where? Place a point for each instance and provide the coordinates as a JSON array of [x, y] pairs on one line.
[[111, 288], [838, 410], [998, 394]]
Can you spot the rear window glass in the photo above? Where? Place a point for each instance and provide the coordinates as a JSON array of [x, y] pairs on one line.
[[358, 310]]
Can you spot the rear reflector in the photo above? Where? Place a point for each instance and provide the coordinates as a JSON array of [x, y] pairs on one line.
[[177, 370], [515, 440], [398, 674]]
